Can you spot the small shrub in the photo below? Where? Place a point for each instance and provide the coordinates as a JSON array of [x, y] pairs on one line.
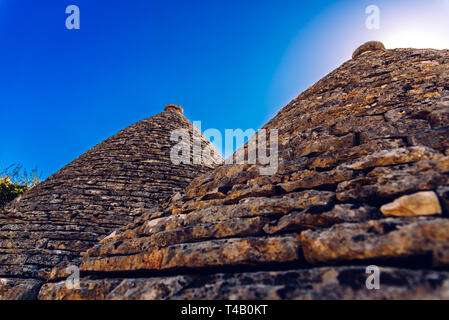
[[15, 181], [9, 191]]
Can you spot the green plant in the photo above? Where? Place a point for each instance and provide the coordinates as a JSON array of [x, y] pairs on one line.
[[14, 181], [9, 191], [16, 174]]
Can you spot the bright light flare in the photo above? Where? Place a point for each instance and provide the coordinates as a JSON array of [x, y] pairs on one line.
[[416, 38]]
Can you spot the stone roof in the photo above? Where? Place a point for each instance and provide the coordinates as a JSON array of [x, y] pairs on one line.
[[107, 187], [350, 148]]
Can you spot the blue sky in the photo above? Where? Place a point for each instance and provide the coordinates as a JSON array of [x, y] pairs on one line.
[[229, 63]]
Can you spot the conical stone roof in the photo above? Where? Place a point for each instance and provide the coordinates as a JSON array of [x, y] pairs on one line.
[[363, 179], [372, 131], [108, 187]]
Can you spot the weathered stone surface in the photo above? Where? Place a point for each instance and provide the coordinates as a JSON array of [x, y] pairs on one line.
[[387, 182], [109, 186], [313, 179], [241, 219], [318, 283], [321, 145], [174, 107], [400, 129], [418, 204], [440, 255], [331, 159], [437, 139], [390, 238], [393, 157], [371, 131], [368, 46], [443, 194], [194, 233], [213, 253], [439, 116], [263, 205], [339, 214], [88, 290], [19, 289]]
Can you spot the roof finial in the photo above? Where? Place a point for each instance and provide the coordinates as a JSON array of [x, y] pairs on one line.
[[368, 46], [173, 107]]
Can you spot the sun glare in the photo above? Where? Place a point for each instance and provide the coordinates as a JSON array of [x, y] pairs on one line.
[[417, 38], [421, 26]]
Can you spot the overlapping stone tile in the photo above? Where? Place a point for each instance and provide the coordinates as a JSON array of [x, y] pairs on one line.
[[336, 283], [391, 238]]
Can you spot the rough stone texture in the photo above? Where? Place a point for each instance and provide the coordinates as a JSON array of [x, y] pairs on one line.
[[386, 183], [373, 130], [376, 240], [212, 253], [418, 204], [317, 283], [392, 157], [301, 220], [19, 289], [443, 194], [108, 187], [368, 133], [174, 107], [368, 46]]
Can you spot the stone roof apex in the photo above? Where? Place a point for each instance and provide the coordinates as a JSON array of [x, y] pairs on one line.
[[173, 107]]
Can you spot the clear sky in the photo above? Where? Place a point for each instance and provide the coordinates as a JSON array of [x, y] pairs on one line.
[[229, 63]]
